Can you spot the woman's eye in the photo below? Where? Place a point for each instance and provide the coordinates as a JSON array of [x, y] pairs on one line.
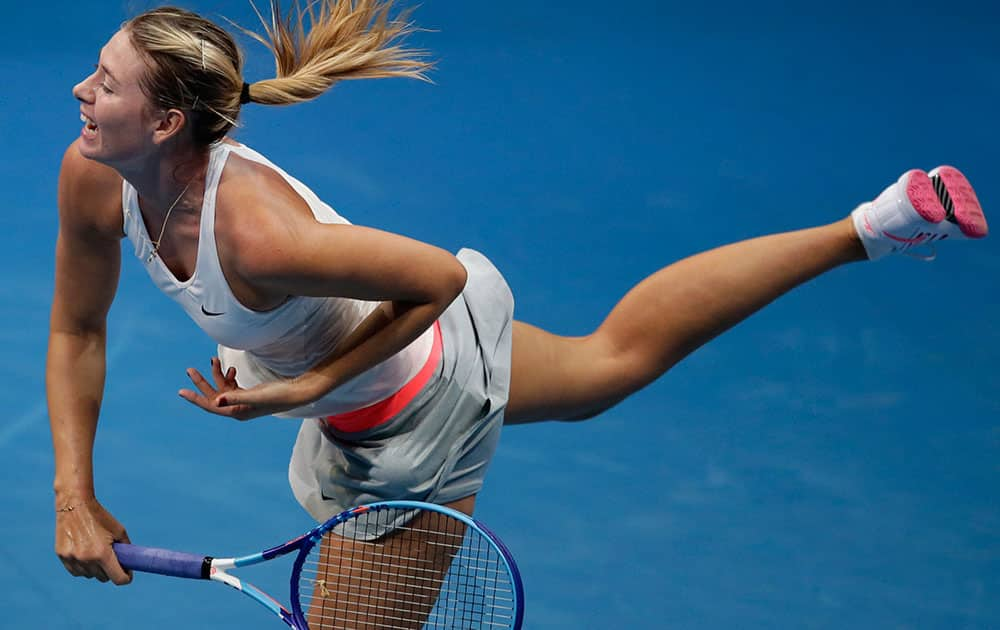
[[103, 86]]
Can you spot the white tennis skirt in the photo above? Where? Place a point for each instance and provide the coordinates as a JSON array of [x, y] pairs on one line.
[[438, 447]]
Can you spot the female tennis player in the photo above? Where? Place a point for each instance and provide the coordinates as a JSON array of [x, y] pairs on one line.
[[402, 359]]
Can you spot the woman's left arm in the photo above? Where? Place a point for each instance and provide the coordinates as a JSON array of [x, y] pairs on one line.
[[298, 256]]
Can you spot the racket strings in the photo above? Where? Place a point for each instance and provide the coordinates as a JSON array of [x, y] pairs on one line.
[[387, 610], [473, 563], [379, 615], [431, 594], [388, 623], [433, 572]]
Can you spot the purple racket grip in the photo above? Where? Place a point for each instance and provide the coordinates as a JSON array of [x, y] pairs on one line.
[[162, 561]]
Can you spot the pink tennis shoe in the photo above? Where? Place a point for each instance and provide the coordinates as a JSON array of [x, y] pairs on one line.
[[920, 209]]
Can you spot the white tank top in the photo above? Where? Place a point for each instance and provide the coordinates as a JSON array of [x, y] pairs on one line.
[[285, 341]]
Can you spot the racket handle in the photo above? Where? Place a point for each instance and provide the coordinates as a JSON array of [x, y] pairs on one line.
[[163, 561]]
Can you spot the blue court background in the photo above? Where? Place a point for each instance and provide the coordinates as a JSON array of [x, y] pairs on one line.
[[831, 463]]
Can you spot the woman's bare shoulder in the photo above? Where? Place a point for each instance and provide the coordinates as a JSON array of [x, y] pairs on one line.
[[90, 194], [254, 200]]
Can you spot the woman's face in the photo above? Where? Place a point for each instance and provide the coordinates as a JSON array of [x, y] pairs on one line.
[[118, 119]]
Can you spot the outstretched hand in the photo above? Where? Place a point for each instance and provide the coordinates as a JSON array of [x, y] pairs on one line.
[[227, 398]]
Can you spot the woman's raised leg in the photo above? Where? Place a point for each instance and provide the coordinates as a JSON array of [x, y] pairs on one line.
[[663, 319], [681, 307]]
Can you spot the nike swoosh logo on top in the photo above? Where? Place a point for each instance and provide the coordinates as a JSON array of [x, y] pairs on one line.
[[209, 313]]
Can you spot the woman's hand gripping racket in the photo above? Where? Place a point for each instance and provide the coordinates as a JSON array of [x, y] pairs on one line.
[[397, 564]]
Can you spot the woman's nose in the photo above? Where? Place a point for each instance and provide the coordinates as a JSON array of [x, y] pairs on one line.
[[83, 92]]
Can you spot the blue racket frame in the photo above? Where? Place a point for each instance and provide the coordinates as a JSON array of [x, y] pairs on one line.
[[191, 566]]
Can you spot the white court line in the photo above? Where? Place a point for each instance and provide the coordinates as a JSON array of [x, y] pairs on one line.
[[45, 590], [39, 411], [24, 422]]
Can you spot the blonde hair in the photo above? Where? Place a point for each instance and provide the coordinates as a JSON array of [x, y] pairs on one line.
[[197, 66]]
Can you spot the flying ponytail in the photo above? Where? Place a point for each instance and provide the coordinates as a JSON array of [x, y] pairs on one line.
[[331, 41], [195, 65]]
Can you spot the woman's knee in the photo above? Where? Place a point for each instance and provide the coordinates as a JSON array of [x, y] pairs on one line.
[[571, 379], [588, 414], [606, 377]]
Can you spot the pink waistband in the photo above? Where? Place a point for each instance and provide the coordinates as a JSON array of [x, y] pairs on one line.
[[373, 415]]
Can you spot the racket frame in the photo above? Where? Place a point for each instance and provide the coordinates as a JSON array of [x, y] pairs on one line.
[[317, 534], [216, 569]]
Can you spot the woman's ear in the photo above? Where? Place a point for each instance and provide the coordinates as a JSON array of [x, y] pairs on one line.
[[167, 124]]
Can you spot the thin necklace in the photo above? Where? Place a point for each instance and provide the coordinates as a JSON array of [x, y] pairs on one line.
[[159, 239]]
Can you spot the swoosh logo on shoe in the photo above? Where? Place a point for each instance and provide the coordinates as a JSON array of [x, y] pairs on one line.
[[919, 238], [210, 313]]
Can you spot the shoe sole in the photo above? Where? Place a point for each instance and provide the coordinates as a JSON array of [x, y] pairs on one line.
[[923, 197], [959, 201]]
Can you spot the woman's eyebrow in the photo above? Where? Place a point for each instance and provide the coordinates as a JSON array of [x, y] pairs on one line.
[[107, 72], [104, 68]]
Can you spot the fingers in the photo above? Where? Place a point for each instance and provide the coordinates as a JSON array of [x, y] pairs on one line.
[[196, 399], [213, 405], [101, 565], [207, 396], [203, 385], [225, 381], [222, 381], [72, 566], [119, 575], [105, 568], [113, 571], [225, 397]]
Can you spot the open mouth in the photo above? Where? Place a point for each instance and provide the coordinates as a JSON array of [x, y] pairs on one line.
[[89, 126]]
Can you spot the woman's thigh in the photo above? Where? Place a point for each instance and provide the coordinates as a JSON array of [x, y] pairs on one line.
[[565, 378], [349, 590]]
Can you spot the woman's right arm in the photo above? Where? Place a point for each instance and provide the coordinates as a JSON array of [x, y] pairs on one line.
[[88, 258]]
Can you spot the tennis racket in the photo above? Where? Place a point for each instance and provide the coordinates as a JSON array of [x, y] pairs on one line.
[[399, 565]]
